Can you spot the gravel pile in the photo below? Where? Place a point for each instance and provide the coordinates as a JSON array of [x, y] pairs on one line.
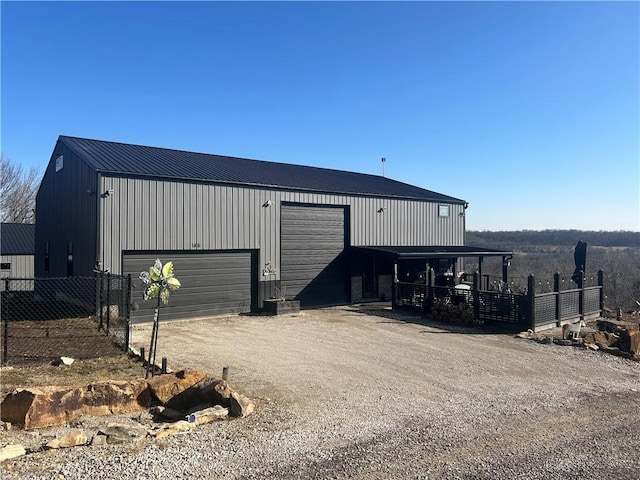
[[343, 393]]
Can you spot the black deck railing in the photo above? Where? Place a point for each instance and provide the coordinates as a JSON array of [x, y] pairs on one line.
[[510, 311]]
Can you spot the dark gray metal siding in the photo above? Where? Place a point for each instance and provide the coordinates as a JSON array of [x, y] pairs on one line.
[[313, 257], [213, 283], [66, 211], [147, 214]]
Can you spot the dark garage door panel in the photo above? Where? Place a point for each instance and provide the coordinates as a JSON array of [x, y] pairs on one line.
[[313, 255], [213, 283]]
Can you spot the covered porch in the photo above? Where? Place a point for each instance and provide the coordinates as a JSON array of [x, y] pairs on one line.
[[433, 278], [413, 264]]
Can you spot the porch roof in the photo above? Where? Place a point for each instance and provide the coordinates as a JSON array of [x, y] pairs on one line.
[[424, 252]]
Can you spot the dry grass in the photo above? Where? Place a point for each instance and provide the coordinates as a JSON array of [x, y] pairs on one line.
[[79, 373], [46, 340], [33, 346]]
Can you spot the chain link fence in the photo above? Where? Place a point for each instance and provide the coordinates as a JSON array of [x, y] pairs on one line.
[[43, 319]]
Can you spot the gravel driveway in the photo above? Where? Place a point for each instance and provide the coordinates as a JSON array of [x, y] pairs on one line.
[[364, 392]]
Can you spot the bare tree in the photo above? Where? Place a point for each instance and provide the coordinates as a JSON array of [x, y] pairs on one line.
[[18, 188]]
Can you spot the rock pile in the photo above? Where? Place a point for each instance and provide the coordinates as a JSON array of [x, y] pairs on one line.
[[179, 401], [617, 338]]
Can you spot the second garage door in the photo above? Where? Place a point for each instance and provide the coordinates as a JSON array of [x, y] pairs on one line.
[[213, 283], [312, 255]]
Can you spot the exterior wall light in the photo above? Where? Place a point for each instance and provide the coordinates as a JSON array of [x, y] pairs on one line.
[[268, 203]]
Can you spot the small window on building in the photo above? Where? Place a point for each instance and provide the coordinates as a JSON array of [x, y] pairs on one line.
[[5, 266], [69, 258], [59, 163], [46, 256], [443, 210]]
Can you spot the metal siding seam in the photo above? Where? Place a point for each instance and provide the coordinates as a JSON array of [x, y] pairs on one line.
[[215, 211], [235, 218], [241, 217], [193, 215], [202, 208], [182, 219], [153, 214]]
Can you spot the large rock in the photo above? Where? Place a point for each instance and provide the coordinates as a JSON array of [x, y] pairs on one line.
[[630, 342], [209, 391], [206, 391], [48, 406], [42, 407], [601, 338], [106, 398], [168, 387], [241, 406]]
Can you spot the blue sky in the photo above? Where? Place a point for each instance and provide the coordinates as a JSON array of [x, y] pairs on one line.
[[530, 111]]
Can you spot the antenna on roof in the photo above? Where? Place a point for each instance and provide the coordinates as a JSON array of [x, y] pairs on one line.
[[384, 160]]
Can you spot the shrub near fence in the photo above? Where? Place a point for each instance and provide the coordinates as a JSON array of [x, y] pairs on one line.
[[45, 318]]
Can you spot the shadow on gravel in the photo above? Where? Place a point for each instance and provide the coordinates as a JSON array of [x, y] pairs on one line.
[[384, 310]]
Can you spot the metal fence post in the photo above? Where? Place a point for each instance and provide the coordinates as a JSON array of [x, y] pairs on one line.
[[108, 300], [601, 293], [531, 292], [581, 295], [476, 295], [101, 300], [5, 344], [556, 289], [127, 317]]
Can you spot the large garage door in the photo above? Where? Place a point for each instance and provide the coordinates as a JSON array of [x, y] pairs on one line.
[[212, 283], [312, 255]]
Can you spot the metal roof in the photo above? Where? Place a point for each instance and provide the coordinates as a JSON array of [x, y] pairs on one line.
[[127, 159], [17, 238], [423, 252]]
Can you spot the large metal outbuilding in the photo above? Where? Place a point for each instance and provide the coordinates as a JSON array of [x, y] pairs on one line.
[[16, 253], [239, 231]]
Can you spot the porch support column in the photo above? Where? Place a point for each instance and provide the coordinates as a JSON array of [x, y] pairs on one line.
[[505, 269], [394, 284], [480, 259]]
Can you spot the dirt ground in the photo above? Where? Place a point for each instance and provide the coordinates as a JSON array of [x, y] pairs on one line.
[[366, 392]]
